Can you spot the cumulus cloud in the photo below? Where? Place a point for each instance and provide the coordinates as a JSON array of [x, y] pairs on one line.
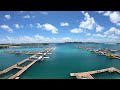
[[31, 25], [44, 13], [34, 39], [112, 30], [88, 22], [112, 36], [27, 16], [83, 12], [99, 28], [48, 27], [66, 39], [17, 26], [39, 26], [100, 11], [107, 13], [114, 16], [7, 28], [88, 34], [99, 35], [64, 24], [7, 16], [76, 30]]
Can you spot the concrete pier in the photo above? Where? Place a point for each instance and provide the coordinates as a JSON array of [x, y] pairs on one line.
[[88, 75], [23, 69]]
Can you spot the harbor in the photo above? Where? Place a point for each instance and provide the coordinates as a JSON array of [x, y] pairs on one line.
[[105, 52], [79, 60], [32, 60], [88, 75], [59, 45]]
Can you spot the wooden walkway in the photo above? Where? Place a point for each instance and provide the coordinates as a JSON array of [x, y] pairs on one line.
[[23, 69], [88, 75]]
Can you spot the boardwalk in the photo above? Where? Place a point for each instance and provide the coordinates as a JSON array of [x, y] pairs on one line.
[[88, 75], [23, 69]]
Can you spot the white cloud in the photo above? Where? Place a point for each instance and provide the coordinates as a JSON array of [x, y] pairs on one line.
[[22, 11], [107, 13], [48, 27], [39, 26], [100, 11], [66, 39], [112, 30], [33, 39], [83, 12], [99, 28], [76, 30], [31, 25], [17, 26], [26, 16], [99, 35], [88, 34], [64, 24], [7, 16], [44, 13], [7, 28], [88, 22], [112, 36], [113, 16]]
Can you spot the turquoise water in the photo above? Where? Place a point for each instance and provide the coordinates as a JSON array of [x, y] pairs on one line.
[[65, 59], [7, 75]]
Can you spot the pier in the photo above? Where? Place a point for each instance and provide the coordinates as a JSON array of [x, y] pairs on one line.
[[104, 52], [31, 59], [88, 75], [4, 46]]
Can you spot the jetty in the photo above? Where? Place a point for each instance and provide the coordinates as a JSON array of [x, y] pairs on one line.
[[88, 75], [105, 52], [4, 46], [30, 59]]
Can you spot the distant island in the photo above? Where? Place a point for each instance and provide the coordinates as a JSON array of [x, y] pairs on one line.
[[22, 44], [81, 42]]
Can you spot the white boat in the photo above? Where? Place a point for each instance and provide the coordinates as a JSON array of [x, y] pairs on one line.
[[39, 58], [46, 57]]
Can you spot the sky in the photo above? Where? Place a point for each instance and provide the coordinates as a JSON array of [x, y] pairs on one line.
[[59, 26]]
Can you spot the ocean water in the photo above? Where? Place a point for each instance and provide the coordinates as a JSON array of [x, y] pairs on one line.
[[65, 59]]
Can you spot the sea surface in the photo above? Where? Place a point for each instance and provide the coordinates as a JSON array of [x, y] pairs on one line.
[[65, 59]]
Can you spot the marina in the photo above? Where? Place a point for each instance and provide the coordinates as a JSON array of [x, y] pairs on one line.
[[59, 44], [23, 69], [88, 75], [106, 52]]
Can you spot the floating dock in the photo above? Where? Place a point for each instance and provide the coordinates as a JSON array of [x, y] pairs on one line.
[[23, 69], [88, 75]]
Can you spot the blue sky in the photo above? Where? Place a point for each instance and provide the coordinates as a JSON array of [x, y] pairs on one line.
[[59, 26]]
